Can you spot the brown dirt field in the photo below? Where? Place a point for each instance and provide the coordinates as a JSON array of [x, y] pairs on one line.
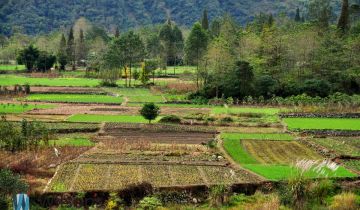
[[162, 137], [38, 168]]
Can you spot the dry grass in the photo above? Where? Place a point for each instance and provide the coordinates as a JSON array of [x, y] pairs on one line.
[[344, 201]]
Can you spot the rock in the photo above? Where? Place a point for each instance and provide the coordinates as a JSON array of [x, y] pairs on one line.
[[195, 200], [52, 165]]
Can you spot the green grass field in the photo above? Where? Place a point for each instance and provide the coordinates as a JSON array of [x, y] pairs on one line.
[[12, 67], [258, 136], [281, 172], [18, 108], [108, 118], [240, 110], [322, 123], [74, 141], [237, 152], [77, 98], [10, 80]]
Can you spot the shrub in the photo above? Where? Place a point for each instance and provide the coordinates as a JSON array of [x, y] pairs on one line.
[[150, 111], [150, 203], [321, 190], [227, 120], [171, 119], [344, 201], [219, 195]]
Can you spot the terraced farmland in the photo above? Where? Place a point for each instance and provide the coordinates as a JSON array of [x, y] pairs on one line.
[[85, 177], [340, 145], [75, 98], [278, 152]]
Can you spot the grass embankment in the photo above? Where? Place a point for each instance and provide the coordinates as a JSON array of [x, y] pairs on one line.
[[21, 108], [109, 118], [75, 98], [322, 124]]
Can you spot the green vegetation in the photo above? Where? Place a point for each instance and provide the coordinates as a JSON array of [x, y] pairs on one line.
[[72, 140], [234, 147], [10, 80], [322, 123], [12, 67], [341, 145], [241, 110], [108, 118], [281, 172], [77, 98], [20, 108], [258, 136], [236, 151]]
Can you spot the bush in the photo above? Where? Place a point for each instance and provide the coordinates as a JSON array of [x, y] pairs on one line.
[[171, 119], [226, 120], [219, 195], [150, 203], [321, 190], [150, 111], [345, 201]]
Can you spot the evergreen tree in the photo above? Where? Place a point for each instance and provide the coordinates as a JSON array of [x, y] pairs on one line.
[[205, 20], [178, 40], [61, 56], [117, 32], [81, 48], [343, 24], [320, 13], [270, 20], [28, 57], [196, 46], [166, 38], [297, 16], [70, 49]]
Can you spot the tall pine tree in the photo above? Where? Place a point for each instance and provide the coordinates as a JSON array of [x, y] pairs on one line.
[[205, 20], [81, 48], [297, 16], [61, 56], [70, 49], [343, 24]]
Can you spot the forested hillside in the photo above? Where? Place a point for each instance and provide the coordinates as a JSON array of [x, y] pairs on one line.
[[35, 16]]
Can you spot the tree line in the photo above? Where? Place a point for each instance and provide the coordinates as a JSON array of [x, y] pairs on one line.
[[269, 56]]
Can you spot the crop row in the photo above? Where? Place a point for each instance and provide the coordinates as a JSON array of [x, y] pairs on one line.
[[85, 177], [158, 127]]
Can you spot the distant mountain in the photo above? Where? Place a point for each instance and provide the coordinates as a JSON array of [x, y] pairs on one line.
[[36, 16]]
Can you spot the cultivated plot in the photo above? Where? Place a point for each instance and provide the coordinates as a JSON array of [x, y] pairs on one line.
[[85, 177]]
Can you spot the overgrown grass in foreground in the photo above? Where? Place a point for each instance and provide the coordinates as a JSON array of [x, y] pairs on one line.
[[258, 136], [20, 108], [322, 123], [108, 118], [78, 98]]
